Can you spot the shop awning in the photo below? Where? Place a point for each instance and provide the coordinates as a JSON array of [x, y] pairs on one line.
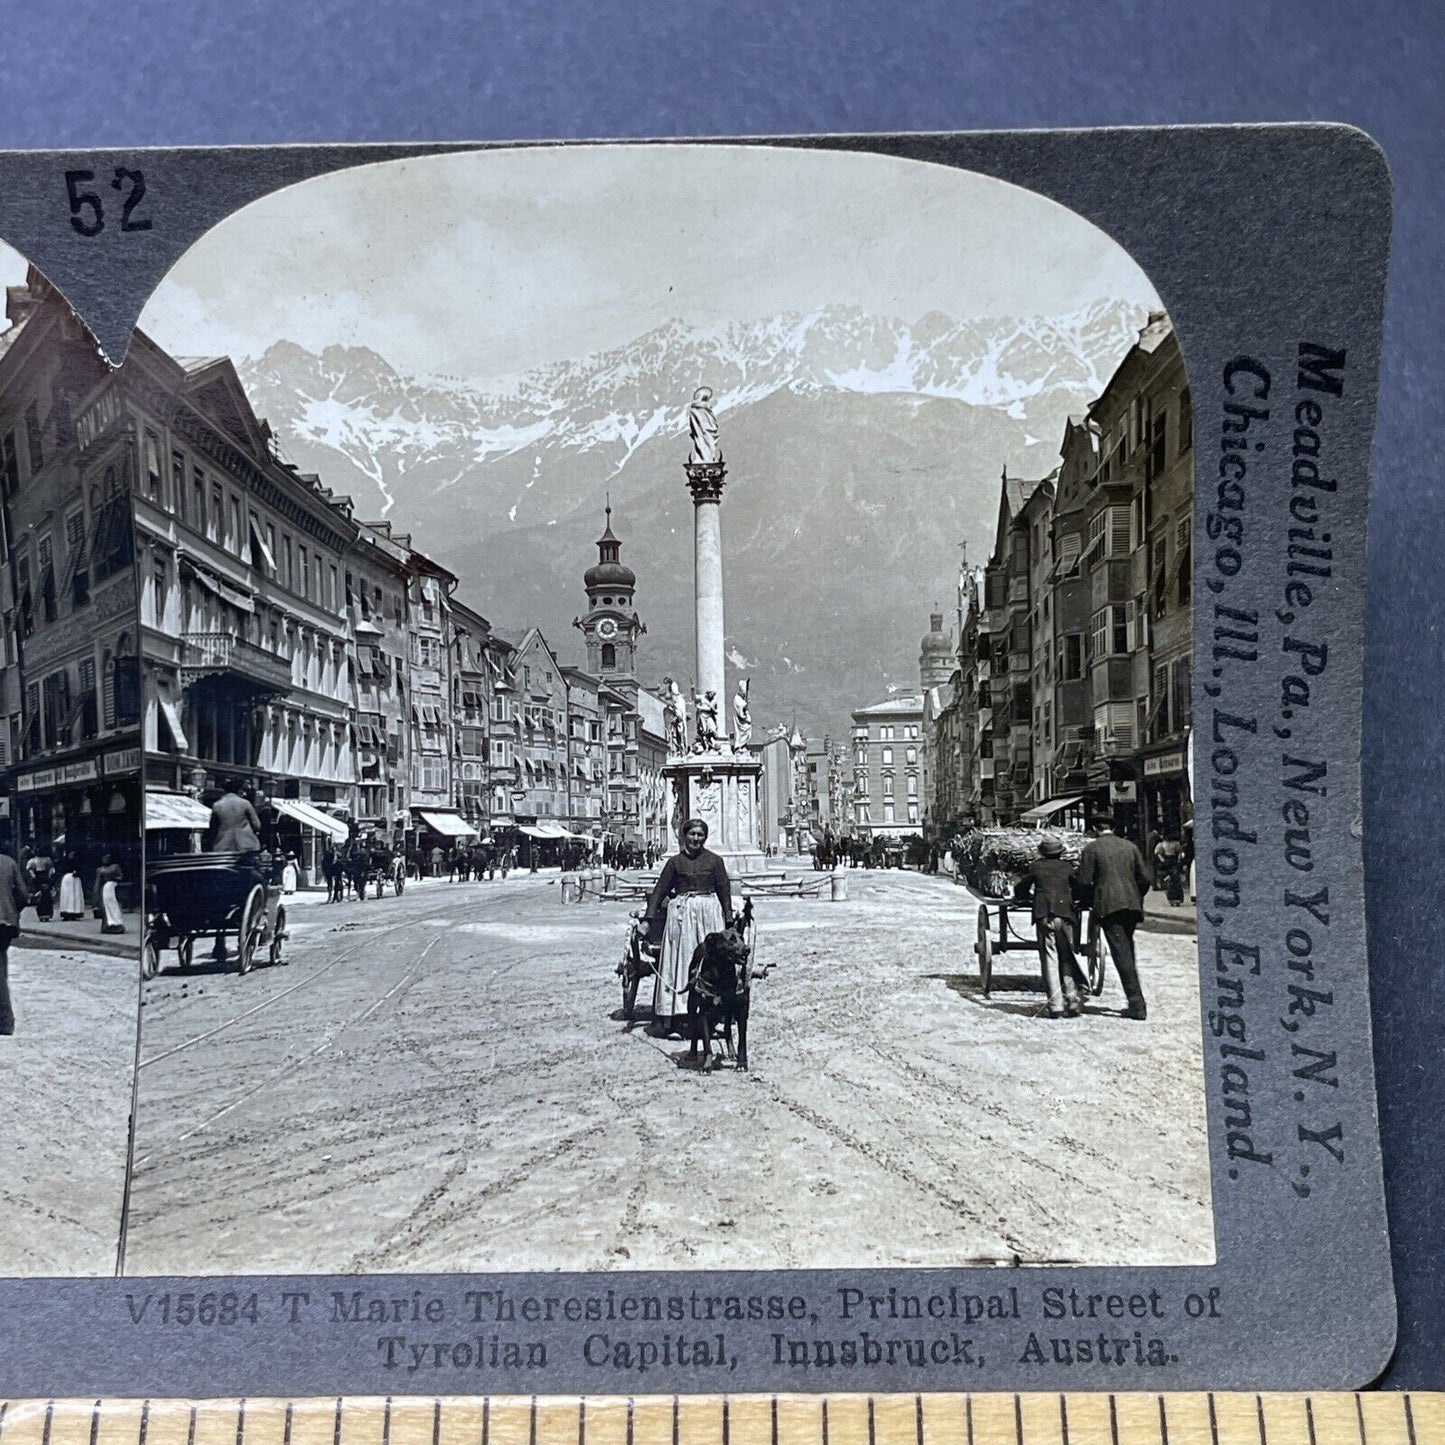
[[1047, 810], [175, 810], [313, 818], [551, 832], [449, 825], [219, 586]]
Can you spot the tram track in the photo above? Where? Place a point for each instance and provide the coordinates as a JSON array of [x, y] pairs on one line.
[[292, 1066], [309, 981]]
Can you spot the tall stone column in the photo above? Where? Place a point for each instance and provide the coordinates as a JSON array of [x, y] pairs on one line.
[[705, 482]]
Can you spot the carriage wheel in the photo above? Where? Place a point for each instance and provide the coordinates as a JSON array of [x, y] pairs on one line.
[[631, 977], [150, 964], [983, 948], [253, 927], [278, 938], [1094, 954], [184, 948]]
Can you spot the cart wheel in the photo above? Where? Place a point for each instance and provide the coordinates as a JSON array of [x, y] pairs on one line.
[[253, 925], [184, 949], [278, 938], [983, 948], [631, 977], [150, 964], [1094, 954]]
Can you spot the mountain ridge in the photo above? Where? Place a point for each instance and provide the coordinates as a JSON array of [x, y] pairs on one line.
[[861, 449]]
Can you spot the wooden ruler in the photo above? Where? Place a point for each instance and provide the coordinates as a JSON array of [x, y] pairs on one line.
[[983, 1419]]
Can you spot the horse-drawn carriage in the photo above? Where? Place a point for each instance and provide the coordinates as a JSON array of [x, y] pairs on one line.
[[379, 865], [212, 895]]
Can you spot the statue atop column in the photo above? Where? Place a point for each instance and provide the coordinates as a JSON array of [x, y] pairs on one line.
[[742, 717], [674, 711], [706, 709], [702, 425]]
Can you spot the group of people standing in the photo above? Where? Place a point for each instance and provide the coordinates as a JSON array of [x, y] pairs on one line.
[[1111, 879], [31, 883]]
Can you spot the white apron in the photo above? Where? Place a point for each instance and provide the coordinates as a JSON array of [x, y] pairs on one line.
[[72, 897], [690, 918], [110, 907]]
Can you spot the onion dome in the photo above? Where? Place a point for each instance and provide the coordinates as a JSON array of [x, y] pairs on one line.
[[608, 570], [936, 641]]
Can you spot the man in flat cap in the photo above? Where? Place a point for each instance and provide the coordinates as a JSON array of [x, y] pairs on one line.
[[1049, 884]]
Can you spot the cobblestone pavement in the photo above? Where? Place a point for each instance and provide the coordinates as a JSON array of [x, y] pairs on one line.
[[445, 1082], [67, 1074]]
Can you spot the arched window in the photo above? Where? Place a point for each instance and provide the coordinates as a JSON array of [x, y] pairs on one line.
[[609, 655]]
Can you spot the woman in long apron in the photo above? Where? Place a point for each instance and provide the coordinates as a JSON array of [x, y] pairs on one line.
[[107, 882], [72, 895], [694, 890]]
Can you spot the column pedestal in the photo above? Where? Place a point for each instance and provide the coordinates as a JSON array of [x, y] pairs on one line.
[[723, 790]]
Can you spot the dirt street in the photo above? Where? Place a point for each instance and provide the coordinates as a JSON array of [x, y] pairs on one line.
[[67, 1075], [444, 1082]]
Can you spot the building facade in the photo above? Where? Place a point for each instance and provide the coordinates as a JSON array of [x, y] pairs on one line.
[[1075, 662], [471, 707], [377, 606], [887, 794], [73, 445]]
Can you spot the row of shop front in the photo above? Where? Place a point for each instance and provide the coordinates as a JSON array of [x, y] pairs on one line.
[[1146, 795]]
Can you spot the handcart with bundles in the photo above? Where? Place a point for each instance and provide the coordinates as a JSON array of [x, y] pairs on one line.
[[991, 862]]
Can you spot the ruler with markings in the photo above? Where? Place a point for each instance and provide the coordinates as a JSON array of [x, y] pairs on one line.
[[983, 1419]]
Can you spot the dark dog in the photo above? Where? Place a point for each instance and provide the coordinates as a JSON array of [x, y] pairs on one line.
[[721, 985]]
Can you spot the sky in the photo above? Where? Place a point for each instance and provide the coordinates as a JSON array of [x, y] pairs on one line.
[[487, 264]]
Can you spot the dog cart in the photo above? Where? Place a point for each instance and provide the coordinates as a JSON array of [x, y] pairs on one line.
[[211, 895], [1005, 925], [640, 956]]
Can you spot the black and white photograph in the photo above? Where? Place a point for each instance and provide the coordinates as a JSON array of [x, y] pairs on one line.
[[70, 807], [666, 709]]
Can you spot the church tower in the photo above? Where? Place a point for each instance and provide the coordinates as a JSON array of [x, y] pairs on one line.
[[610, 625], [936, 660]]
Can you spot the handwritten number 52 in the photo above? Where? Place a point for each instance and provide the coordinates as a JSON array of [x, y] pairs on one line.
[[87, 214]]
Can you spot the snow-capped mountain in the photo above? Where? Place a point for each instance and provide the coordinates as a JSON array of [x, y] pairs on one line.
[[862, 449]]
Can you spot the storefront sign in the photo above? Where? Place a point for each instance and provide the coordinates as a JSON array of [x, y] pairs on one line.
[[1164, 763], [33, 782], [84, 772], [1122, 792], [121, 761]]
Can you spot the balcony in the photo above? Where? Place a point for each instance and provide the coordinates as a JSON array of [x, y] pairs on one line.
[[210, 654]]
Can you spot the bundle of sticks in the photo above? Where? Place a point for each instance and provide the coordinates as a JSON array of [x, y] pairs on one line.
[[993, 860]]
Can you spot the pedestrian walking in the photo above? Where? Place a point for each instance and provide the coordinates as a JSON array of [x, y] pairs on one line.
[[290, 875], [13, 897], [437, 859], [1112, 870], [1049, 886], [108, 878], [692, 898]]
